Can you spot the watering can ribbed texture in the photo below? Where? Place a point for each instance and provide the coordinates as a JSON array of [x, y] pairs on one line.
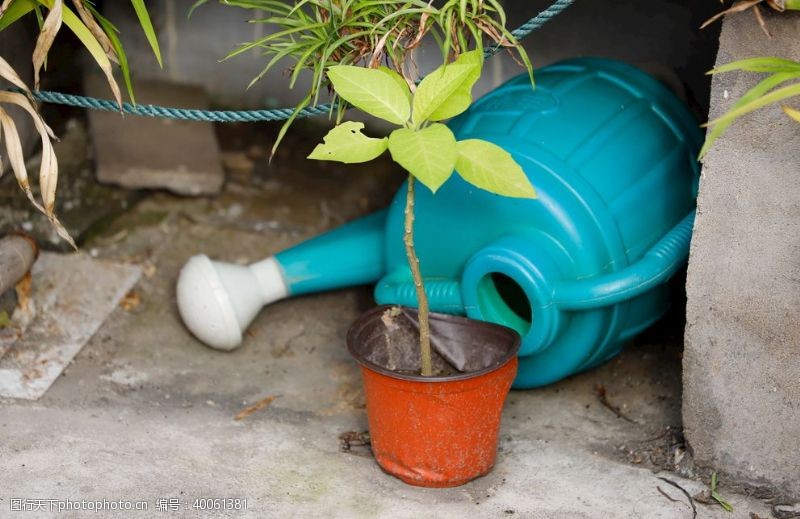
[[577, 272]]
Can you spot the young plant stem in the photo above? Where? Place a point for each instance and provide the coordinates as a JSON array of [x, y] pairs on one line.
[[422, 297]]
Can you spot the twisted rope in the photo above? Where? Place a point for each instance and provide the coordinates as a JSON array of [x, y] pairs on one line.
[[276, 114]]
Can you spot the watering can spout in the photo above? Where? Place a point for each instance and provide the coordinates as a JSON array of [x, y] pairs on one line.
[[217, 301]]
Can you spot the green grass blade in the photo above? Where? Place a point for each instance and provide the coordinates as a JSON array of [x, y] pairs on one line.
[[765, 64], [720, 125], [147, 27], [15, 11], [111, 31], [757, 91]]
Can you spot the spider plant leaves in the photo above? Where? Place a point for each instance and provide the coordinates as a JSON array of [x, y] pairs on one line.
[[113, 35], [48, 170], [760, 64], [428, 154], [775, 96], [791, 112], [345, 143], [737, 7], [765, 85], [85, 36], [489, 167], [11, 12], [10, 75], [94, 27], [47, 35], [147, 27], [371, 91]]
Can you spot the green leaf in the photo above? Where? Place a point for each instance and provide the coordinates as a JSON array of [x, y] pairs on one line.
[[15, 11], [111, 31], [436, 89], [461, 98], [791, 112], [765, 64], [428, 154], [490, 167], [397, 78], [767, 99], [718, 498], [345, 143], [80, 30], [373, 91], [757, 91], [147, 27]]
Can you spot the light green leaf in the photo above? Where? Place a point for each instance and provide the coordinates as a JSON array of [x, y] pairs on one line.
[[373, 91], [757, 91], [397, 78], [490, 167], [436, 89], [345, 143], [461, 98], [767, 99], [147, 27], [791, 112], [428, 154], [764, 64], [15, 11], [77, 27]]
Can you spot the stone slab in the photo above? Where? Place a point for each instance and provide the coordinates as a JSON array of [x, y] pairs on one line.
[[151, 153], [73, 295], [741, 405]]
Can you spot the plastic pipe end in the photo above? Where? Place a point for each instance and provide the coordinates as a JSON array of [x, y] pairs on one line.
[[205, 305]]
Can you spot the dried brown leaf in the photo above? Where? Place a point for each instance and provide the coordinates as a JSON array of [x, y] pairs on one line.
[[50, 27], [760, 20], [48, 171], [258, 406], [741, 5], [97, 31], [5, 5], [16, 158], [8, 73]]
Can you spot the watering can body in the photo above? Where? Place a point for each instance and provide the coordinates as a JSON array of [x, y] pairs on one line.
[[578, 271]]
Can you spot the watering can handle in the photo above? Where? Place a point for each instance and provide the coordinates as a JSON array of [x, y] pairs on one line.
[[656, 266]]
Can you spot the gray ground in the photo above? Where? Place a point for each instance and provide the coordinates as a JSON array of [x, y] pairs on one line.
[[147, 412]]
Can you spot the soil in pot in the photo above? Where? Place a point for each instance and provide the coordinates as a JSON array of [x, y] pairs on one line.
[[438, 431]]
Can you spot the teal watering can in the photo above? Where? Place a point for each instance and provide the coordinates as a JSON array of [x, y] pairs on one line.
[[577, 272]]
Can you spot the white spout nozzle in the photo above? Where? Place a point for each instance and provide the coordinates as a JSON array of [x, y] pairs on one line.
[[217, 301]]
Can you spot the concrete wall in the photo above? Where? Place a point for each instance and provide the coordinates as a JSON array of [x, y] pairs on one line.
[[742, 355], [660, 33]]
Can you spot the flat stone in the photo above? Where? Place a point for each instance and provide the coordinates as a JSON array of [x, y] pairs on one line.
[[741, 386], [72, 294], [151, 153]]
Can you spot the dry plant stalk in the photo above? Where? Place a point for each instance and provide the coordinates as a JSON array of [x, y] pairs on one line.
[[48, 170]]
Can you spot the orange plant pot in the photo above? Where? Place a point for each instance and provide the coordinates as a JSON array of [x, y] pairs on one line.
[[437, 431]]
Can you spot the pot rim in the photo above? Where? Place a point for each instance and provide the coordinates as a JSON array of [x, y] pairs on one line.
[[508, 357]]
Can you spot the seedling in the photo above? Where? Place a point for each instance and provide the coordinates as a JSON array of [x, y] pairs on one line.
[[718, 498], [421, 144]]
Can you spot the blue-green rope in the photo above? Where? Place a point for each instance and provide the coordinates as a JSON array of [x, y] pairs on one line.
[[277, 114]]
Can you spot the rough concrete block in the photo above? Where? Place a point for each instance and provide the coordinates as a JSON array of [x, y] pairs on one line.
[[145, 152], [741, 406]]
